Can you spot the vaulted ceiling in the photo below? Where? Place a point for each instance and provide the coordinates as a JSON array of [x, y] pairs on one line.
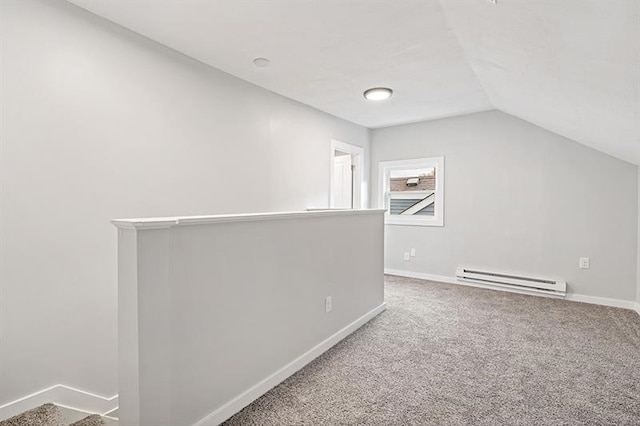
[[572, 67]]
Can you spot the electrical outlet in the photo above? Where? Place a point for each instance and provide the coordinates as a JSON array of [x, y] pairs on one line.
[[413, 252], [407, 256], [584, 263], [328, 304]]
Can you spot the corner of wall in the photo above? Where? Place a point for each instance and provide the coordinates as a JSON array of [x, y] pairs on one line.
[[638, 252]]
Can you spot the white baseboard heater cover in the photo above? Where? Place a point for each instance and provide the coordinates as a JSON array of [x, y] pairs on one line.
[[538, 285]]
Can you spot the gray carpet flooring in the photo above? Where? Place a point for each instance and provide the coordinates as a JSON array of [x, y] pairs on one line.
[[51, 415], [44, 415], [444, 354]]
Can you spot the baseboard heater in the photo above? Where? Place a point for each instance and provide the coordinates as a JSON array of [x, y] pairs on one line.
[[537, 285]]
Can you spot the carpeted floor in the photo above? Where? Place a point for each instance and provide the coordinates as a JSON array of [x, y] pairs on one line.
[[53, 415], [444, 354]]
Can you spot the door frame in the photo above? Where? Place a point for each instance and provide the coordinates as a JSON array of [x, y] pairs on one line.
[[357, 159]]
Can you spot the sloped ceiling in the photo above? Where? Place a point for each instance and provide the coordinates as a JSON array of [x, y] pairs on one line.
[[572, 67]]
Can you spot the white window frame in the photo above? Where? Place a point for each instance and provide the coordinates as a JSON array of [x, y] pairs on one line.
[[384, 173]]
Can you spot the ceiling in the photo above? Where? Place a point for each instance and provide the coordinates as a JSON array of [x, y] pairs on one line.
[[572, 67]]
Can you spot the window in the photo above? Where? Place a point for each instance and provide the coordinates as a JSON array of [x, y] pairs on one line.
[[412, 191]]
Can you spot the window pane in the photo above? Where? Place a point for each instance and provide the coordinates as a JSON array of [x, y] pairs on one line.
[[412, 180], [410, 189], [398, 205], [427, 211], [412, 206]]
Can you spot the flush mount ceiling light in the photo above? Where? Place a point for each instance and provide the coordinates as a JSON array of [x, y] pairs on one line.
[[261, 62], [378, 93]]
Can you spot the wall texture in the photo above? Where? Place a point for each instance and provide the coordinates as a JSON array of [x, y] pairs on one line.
[[99, 123], [518, 198]]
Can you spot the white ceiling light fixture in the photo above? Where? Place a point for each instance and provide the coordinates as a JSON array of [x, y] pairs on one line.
[[378, 93], [261, 62]]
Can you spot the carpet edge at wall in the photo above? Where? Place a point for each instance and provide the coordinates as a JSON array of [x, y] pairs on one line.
[[63, 396], [573, 297]]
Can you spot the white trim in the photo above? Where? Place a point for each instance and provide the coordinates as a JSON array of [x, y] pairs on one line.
[[637, 307], [106, 415], [604, 301], [400, 195], [64, 396], [423, 276], [169, 222], [384, 168], [357, 159], [113, 414], [416, 220], [571, 297], [251, 394]]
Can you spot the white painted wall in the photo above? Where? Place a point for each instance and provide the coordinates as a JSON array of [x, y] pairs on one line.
[[638, 273], [202, 335], [519, 198], [98, 123]]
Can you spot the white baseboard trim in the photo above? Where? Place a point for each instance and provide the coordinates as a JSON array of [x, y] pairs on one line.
[[638, 308], [238, 403], [113, 414], [64, 396], [423, 276], [616, 303]]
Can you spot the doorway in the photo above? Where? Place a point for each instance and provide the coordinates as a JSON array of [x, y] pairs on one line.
[[346, 176]]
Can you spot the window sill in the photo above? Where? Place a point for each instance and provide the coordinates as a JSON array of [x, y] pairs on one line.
[[412, 221]]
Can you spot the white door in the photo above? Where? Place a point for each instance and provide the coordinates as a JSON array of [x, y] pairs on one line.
[[342, 182]]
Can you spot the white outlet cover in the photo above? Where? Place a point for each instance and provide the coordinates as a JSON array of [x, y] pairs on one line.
[[413, 252], [407, 256], [584, 263], [328, 304]]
